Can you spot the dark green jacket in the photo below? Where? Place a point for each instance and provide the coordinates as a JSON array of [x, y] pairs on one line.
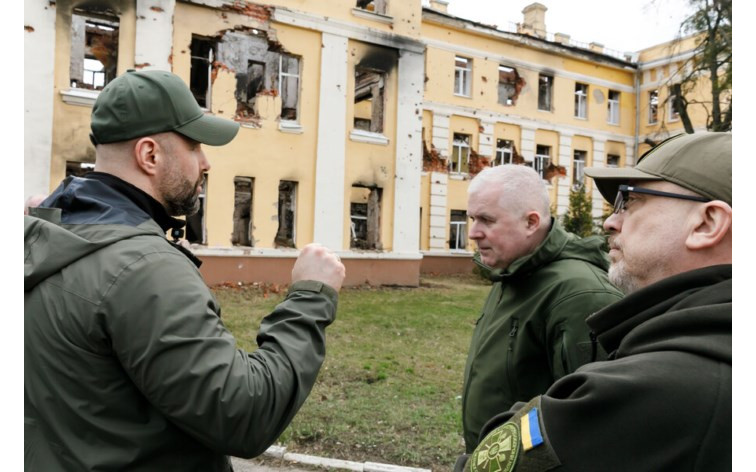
[[532, 329], [127, 365], [662, 400]]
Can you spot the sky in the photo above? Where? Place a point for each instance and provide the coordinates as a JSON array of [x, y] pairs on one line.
[[626, 26]]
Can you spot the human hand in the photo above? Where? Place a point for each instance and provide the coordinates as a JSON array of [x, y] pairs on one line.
[[319, 263]]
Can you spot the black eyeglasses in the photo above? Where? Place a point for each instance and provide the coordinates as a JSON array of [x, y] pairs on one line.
[[620, 202]]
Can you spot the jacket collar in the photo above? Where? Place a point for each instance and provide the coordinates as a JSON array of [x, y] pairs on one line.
[[616, 321]]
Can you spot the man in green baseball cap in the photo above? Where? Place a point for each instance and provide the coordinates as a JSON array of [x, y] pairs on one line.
[[663, 398], [127, 364]]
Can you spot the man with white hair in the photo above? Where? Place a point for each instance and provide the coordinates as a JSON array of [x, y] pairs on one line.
[[663, 398], [532, 327]]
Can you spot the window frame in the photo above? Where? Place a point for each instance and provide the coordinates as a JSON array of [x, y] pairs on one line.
[[545, 89], [581, 100], [460, 240], [578, 167], [458, 147], [297, 77], [463, 77], [538, 161], [502, 152], [672, 114], [613, 108], [653, 107]]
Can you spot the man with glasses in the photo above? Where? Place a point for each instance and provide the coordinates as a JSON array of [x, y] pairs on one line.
[[662, 400]]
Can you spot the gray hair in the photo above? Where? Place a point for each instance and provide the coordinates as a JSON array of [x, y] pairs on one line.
[[520, 188]]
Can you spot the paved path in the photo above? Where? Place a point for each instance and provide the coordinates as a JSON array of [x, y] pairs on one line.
[[255, 465]]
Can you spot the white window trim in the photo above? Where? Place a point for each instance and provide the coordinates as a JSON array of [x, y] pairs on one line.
[[581, 167], [460, 226], [462, 145], [209, 91], [614, 105], [656, 119], [370, 15], [80, 97], [581, 97], [540, 157], [293, 123], [502, 151], [465, 81], [363, 136], [293, 127], [551, 94]]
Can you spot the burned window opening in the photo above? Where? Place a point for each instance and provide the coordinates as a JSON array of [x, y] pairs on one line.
[[545, 88], [78, 169], [365, 218], [369, 86], [458, 230], [653, 107], [287, 192], [375, 6], [94, 49], [612, 160], [460, 158], [289, 87], [510, 85], [196, 225], [243, 191], [203, 52]]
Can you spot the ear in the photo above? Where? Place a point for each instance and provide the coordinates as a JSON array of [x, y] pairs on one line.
[[147, 154], [711, 225], [532, 221]]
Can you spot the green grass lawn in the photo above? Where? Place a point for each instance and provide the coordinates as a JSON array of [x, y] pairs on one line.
[[390, 388]]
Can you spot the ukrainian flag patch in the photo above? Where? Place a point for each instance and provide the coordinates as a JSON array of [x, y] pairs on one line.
[[530, 430]]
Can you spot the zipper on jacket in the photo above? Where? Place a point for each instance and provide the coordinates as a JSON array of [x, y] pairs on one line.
[[594, 346], [513, 331]]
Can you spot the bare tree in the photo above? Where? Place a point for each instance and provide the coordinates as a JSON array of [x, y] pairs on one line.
[[709, 68]]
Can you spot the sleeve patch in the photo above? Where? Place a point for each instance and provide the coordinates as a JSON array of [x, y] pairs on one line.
[[498, 451]]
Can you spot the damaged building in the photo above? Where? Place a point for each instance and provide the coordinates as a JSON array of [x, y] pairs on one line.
[[362, 122]]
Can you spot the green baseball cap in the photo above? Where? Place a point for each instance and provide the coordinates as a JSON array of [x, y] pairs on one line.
[[700, 162], [142, 103]]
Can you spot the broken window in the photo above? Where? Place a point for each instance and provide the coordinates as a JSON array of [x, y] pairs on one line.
[[200, 78], [289, 87], [542, 160], [365, 218], [369, 86], [460, 158], [581, 101], [503, 152], [242, 234], [458, 230], [653, 106], [510, 84], [674, 112], [462, 76], [545, 86], [376, 6], [78, 169], [94, 49], [196, 229], [613, 107], [612, 160], [287, 196], [578, 166]]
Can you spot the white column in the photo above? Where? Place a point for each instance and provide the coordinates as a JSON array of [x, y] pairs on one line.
[[485, 139], [438, 191], [39, 65], [440, 136], [599, 160], [527, 143], [629, 154], [154, 34], [409, 156], [564, 185], [331, 150]]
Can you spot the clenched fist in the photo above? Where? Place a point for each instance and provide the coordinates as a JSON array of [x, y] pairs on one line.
[[319, 263]]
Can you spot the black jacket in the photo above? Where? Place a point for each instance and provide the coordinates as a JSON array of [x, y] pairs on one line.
[[661, 402]]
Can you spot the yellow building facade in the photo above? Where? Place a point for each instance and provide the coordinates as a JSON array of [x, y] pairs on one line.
[[362, 122]]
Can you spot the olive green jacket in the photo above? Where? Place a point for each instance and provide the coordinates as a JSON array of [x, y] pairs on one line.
[[127, 365], [532, 328]]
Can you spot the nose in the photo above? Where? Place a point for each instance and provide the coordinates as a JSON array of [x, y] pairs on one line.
[[474, 233], [613, 224], [203, 162]]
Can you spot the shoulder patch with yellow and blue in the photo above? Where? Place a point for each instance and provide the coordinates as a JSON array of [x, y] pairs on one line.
[[521, 444]]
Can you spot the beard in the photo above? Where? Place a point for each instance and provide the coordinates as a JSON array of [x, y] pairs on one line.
[[621, 279], [180, 195]]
